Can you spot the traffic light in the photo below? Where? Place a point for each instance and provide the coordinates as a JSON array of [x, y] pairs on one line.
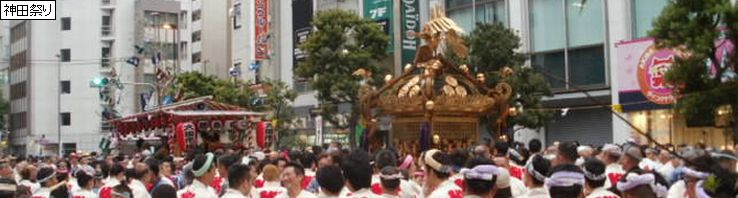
[[99, 82]]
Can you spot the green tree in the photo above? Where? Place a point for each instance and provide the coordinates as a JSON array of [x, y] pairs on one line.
[[343, 43], [4, 110], [694, 27], [493, 47], [277, 102], [194, 84]]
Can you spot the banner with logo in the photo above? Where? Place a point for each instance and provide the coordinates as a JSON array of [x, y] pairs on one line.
[[641, 74], [261, 29], [302, 16], [380, 11], [410, 22]]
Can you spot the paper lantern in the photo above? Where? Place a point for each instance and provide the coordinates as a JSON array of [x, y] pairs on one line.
[[185, 134]]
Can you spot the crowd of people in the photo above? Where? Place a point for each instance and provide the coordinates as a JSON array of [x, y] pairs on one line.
[[561, 170]]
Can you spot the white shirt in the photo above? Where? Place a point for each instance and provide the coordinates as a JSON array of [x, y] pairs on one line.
[[139, 189], [362, 193], [42, 193], [447, 189], [84, 193], [303, 194], [407, 189], [613, 171], [233, 193], [666, 170], [270, 190], [32, 185], [601, 192], [678, 189], [167, 180], [196, 190], [517, 187], [538, 192]]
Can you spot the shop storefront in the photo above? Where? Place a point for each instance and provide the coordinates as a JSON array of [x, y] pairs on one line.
[[646, 99]]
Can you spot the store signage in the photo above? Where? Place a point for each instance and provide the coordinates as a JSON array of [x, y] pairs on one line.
[[410, 21], [652, 68], [380, 11], [261, 29], [302, 16]]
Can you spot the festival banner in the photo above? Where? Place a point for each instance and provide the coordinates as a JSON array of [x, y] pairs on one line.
[[380, 11], [261, 29], [641, 74], [410, 23]]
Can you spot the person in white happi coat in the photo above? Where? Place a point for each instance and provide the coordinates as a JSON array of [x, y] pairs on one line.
[[204, 172], [437, 172], [358, 173], [637, 182], [330, 181], [138, 183], [117, 175], [47, 178], [271, 187], [594, 177], [479, 178], [85, 181], [28, 173], [535, 177], [239, 180], [610, 156], [292, 176], [391, 180]]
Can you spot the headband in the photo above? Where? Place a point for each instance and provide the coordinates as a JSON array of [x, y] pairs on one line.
[[612, 149], [47, 177], [406, 163], [428, 159], [693, 173], [391, 177], [481, 172], [565, 179], [583, 148], [122, 194], [632, 180], [532, 171], [592, 176], [633, 151], [726, 156], [205, 167]]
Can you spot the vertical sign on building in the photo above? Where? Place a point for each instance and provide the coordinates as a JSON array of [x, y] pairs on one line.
[[261, 29], [380, 11], [410, 22], [302, 16]]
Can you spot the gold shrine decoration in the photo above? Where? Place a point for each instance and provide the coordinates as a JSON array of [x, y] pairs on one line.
[[433, 88]]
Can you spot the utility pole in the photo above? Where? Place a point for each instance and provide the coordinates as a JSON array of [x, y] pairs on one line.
[[58, 104]]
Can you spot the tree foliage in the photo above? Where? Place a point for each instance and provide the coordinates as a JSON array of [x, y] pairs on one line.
[[194, 84], [703, 79], [343, 42], [493, 47], [277, 102]]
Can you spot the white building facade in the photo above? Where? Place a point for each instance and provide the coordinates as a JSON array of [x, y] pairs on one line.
[[52, 64]]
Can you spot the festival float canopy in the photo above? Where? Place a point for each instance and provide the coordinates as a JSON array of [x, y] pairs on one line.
[[192, 110], [434, 97]]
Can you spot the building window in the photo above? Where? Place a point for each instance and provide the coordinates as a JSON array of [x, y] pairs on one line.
[[196, 57], [196, 15], [644, 13], [66, 87], [236, 16], [18, 90], [66, 55], [66, 118], [196, 36], [463, 12], [18, 120], [567, 42], [66, 23]]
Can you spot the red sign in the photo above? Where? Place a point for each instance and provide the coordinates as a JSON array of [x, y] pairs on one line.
[[261, 29], [652, 68]]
